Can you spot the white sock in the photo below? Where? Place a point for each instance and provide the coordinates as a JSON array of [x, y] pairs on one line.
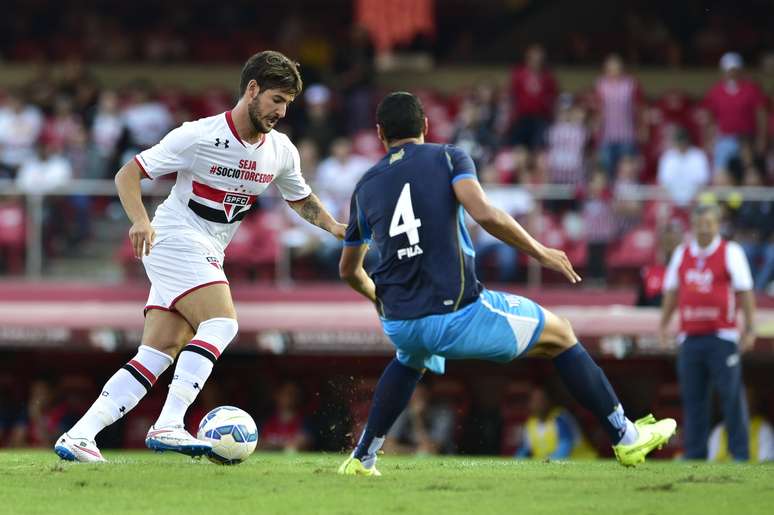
[[122, 392], [194, 365], [369, 460], [630, 433]]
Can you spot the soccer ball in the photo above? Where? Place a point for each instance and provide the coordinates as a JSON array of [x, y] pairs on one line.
[[232, 433]]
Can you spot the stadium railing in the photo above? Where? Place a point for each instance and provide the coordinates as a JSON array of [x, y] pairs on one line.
[[33, 218]]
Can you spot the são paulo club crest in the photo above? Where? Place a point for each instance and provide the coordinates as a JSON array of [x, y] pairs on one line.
[[235, 203]]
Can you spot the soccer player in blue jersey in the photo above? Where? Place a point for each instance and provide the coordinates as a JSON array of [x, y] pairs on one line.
[[411, 205]]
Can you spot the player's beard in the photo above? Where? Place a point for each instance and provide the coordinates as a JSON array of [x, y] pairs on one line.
[[257, 118]]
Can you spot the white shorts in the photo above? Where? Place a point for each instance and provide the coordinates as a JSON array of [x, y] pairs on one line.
[[178, 265]]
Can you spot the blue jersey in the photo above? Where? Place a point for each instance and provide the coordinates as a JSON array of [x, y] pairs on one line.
[[406, 206]]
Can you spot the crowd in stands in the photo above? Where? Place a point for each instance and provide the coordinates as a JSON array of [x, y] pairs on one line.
[[599, 144]]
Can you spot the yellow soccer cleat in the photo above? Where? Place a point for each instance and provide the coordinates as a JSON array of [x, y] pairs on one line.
[[353, 467], [652, 434]]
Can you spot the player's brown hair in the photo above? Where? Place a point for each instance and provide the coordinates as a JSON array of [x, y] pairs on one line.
[[271, 70]]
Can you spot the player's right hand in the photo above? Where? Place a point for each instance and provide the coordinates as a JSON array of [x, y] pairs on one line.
[[142, 236], [664, 339], [557, 260]]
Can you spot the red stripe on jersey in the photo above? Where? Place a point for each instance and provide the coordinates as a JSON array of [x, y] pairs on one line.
[[142, 168], [207, 346], [144, 371], [230, 123], [216, 195]]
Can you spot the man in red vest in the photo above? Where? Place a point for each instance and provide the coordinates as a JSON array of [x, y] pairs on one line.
[[704, 278]]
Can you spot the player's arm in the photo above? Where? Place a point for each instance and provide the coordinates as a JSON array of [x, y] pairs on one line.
[[141, 233], [741, 279], [351, 270], [748, 312], [312, 210], [502, 226], [668, 306], [669, 299]]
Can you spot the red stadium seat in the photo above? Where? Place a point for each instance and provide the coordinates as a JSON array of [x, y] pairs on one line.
[[636, 249], [255, 248], [131, 266]]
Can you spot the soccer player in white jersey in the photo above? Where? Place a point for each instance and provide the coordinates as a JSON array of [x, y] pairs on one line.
[[222, 162]]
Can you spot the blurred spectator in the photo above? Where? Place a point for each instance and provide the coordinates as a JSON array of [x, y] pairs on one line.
[[10, 416], [425, 427], [146, 121], [45, 171], [618, 99], [338, 174], [106, 130], [309, 154], [318, 123], [600, 226], [761, 435], [533, 95], [492, 253], [38, 425], [473, 131], [738, 107], [79, 220], [336, 179], [551, 432], [286, 429], [59, 128], [755, 232], [650, 291], [683, 170], [354, 68], [567, 140], [20, 125], [626, 206]]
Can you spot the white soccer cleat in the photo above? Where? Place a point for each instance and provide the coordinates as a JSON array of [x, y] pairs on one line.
[[78, 449], [177, 439]]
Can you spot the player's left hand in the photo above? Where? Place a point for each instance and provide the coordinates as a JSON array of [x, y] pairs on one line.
[[557, 260], [339, 230]]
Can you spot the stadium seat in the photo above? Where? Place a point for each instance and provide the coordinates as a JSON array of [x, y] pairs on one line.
[[254, 250], [636, 249], [131, 266]]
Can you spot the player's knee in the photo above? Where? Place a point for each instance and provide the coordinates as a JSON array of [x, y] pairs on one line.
[[169, 346], [219, 331], [565, 335]]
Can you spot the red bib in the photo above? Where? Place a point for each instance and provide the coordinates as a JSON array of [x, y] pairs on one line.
[[705, 295]]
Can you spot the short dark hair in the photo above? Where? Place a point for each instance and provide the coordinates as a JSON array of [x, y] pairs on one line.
[[400, 115], [271, 70]]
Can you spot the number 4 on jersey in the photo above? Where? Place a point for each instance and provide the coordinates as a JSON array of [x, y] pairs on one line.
[[404, 222]]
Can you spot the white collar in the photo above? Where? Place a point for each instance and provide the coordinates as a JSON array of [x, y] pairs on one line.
[[706, 251]]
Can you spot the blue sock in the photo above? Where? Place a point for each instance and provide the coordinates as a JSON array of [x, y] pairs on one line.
[[590, 387], [391, 397]]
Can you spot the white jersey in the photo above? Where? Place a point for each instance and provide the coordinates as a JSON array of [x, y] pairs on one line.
[[219, 176]]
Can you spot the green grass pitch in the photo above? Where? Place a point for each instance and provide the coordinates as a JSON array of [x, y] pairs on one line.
[[37, 482]]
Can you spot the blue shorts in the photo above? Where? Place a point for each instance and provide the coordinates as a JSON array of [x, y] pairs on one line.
[[497, 327]]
